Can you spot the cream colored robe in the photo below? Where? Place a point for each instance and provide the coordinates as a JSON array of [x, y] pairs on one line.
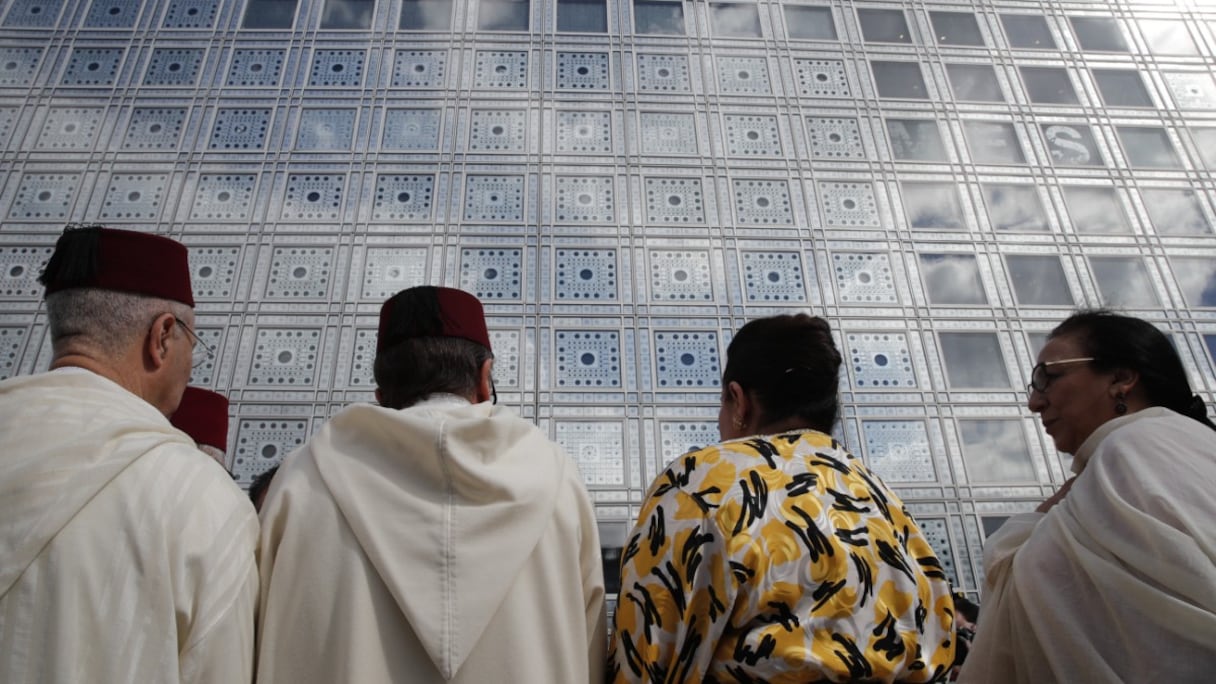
[[126, 554], [442, 542], [1118, 581]]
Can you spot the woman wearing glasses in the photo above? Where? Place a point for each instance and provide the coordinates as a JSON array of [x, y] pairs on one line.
[[1114, 577]]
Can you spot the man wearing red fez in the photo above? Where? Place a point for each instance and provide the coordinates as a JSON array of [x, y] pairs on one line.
[[126, 555], [435, 537], [203, 415]]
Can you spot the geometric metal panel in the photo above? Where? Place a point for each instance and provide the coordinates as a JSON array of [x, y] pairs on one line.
[[262, 444], [680, 438], [848, 204], [19, 271], [752, 135], [155, 128], [584, 199], [498, 130], [492, 274], [300, 272], [213, 271], [389, 270], [337, 68], [597, 448], [821, 78], [112, 13], [663, 73], [933, 529], [313, 197], [191, 14], [864, 279], [93, 66], [743, 76], [680, 275], [12, 339], [174, 67], [32, 13], [668, 133], [411, 129], [586, 274], [898, 450], [505, 344], [256, 68], [674, 200], [582, 71], [773, 276], [240, 129], [70, 128], [834, 138], [403, 197], [363, 358], [326, 129], [494, 198], [687, 359], [419, 68], [8, 117], [44, 196], [584, 131], [502, 70], [880, 360], [763, 202], [134, 196], [588, 358], [1192, 90], [223, 197], [285, 357], [18, 64]]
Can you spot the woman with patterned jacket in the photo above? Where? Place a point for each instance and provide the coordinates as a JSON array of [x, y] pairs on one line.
[[776, 555]]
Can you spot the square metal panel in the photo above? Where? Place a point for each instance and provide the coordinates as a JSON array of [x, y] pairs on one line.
[[419, 68], [337, 68], [262, 444], [880, 361], [663, 73], [112, 13], [493, 274], [389, 270], [411, 129], [93, 66], [18, 65], [676, 439], [313, 197], [584, 132], [256, 68], [285, 358], [1192, 90], [174, 67], [300, 272], [363, 360], [203, 374], [19, 271], [498, 130], [45, 196], [70, 128], [680, 276], [821, 78], [586, 274], [848, 204], [133, 196], [588, 358], [8, 117], [674, 201], [404, 197], [937, 534], [155, 128], [743, 76], [668, 133], [773, 277], [597, 447], [506, 346], [494, 198], [213, 271], [12, 341], [687, 360], [834, 137], [191, 14], [760, 202], [585, 199], [326, 129], [240, 129], [583, 71], [863, 278], [224, 197], [501, 70], [750, 135], [898, 450], [32, 13]]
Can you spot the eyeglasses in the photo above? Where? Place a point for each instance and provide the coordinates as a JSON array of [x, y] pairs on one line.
[[1040, 379], [202, 353]]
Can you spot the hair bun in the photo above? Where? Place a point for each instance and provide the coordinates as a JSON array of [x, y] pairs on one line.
[[1196, 408]]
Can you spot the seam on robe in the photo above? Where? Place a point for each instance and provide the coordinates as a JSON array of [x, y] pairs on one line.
[[446, 572]]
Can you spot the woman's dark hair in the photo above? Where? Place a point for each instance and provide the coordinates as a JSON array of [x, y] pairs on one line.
[[1117, 341], [791, 367]]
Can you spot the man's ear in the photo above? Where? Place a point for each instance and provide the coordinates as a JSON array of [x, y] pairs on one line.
[[485, 382], [156, 340]]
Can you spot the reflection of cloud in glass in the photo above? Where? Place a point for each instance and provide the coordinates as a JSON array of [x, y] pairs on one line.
[[270, 14], [1166, 37], [1174, 211], [582, 16], [1098, 34], [932, 206], [1038, 280], [952, 279], [973, 360], [1095, 210], [735, 20], [975, 82], [1015, 207], [809, 23], [884, 26], [914, 140], [347, 14], [502, 15], [426, 15], [993, 143], [1123, 282], [658, 17], [1205, 140], [1148, 147], [1071, 145], [1197, 279], [995, 451]]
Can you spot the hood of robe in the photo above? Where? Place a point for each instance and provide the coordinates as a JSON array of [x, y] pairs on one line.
[[64, 436], [447, 499]]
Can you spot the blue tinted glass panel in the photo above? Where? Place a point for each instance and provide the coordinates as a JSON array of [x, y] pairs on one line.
[[426, 15], [1197, 279], [582, 16], [348, 14], [809, 23], [995, 451], [270, 14], [665, 18]]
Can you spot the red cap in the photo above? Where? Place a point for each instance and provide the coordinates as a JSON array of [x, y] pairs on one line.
[[428, 311], [121, 260], [203, 415]]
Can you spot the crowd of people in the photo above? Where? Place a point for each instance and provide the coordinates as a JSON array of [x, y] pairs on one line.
[[437, 537]]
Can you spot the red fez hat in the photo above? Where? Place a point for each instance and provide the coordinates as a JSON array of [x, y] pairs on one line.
[[429, 311], [203, 415], [122, 260]]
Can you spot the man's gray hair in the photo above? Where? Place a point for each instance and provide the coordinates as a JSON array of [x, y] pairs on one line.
[[105, 319]]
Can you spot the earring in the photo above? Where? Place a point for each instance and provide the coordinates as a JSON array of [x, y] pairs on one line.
[[1120, 404]]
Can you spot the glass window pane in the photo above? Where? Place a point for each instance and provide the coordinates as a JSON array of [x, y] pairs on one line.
[[1210, 342], [1095, 210], [916, 140], [1038, 280], [1036, 341], [1048, 85], [1148, 147], [1015, 208], [503, 15], [1098, 34], [995, 451], [992, 523], [1122, 88], [665, 18], [270, 14], [974, 82], [348, 14], [1071, 145], [1197, 279], [1028, 31], [1165, 37], [884, 26], [973, 360], [932, 206], [1175, 212], [952, 279], [899, 79], [1205, 141], [956, 28], [426, 15], [992, 142], [1124, 282], [582, 16], [809, 23], [735, 20]]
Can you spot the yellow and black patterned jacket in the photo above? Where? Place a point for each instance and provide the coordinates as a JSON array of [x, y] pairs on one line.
[[778, 559]]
